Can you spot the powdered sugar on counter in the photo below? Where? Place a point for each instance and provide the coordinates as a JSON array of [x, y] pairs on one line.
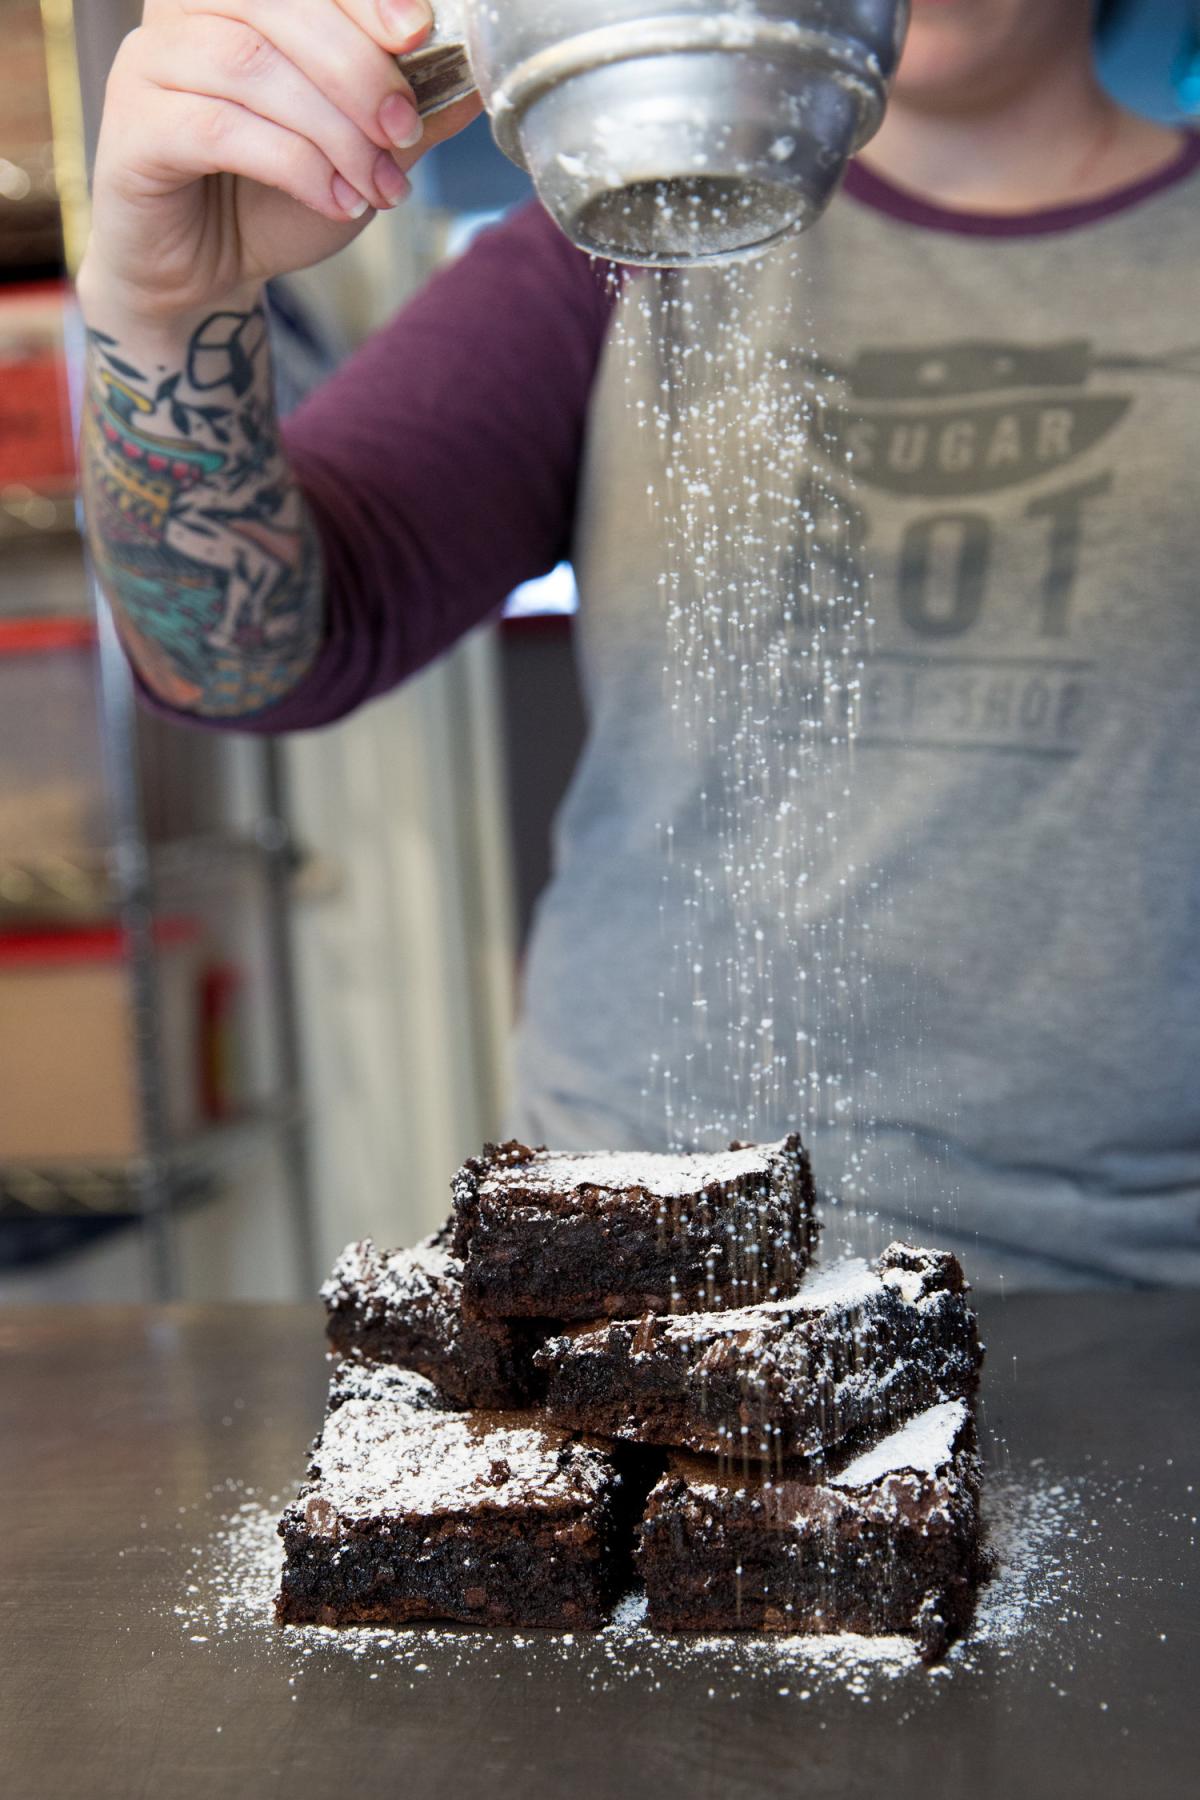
[[1040, 1533]]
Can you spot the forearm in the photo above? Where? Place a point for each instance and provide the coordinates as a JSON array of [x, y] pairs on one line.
[[199, 531]]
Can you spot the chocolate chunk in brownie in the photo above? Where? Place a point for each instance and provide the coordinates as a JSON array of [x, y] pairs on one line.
[[405, 1307], [856, 1351], [565, 1235], [891, 1543], [411, 1512]]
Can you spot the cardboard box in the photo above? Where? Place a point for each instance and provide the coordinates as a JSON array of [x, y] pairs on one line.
[[52, 798], [68, 1076]]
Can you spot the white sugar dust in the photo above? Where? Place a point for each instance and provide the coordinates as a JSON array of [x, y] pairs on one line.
[[1040, 1535], [765, 625]]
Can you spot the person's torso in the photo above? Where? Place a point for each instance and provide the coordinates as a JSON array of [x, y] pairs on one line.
[[1005, 433]]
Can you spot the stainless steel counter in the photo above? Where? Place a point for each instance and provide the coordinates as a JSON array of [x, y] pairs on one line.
[[121, 1431]]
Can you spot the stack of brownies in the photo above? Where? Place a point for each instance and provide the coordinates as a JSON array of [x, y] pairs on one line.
[[618, 1364]]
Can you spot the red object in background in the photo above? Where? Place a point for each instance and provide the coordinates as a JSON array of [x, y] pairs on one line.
[[37, 442], [37, 637], [220, 1085], [89, 944]]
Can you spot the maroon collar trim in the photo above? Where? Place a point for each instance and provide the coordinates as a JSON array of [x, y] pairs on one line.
[[864, 185]]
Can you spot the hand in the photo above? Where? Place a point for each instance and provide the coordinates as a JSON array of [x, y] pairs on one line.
[[244, 139]]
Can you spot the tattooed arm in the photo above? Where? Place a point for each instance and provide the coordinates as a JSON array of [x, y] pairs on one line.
[[201, 537], [239, 142]]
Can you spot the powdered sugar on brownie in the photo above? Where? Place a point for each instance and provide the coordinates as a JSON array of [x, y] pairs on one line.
[[844, 1286], [846, 1358], [924, 1446], [895, 1551], [406, 1307], [847, 1284], [582, 1235], [664, 1176], [383, 1384], [376, 1281], [378, 1456]]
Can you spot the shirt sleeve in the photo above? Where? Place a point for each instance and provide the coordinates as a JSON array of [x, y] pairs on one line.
[[441, 462]]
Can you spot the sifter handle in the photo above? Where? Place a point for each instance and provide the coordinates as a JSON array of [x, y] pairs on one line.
[[439, 74]]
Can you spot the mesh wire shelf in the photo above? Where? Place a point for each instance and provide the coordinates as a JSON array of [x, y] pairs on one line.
[[116, 1190], [78, 1191], [84, 888]]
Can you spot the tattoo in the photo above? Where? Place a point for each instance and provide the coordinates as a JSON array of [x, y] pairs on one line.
[[201, 537]]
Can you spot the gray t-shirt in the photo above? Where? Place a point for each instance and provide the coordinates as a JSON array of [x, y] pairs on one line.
[[1010, 888]]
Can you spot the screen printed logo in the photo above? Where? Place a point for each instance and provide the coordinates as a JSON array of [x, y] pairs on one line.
[[954, 420]]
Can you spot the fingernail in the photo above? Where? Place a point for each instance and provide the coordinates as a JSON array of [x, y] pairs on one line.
[[405, 19], [401, 121], [348, 198], [391, 181]]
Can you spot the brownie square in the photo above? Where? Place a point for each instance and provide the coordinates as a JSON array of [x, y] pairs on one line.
[[414, 1511], [405, 1307], [587, 1235], [382, 1383], [889, 1544], [856, 1351]]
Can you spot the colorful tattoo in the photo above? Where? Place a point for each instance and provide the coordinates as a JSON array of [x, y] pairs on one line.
[[201, 538]]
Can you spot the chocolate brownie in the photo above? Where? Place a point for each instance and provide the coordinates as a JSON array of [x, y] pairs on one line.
[[414, 1511], [566, 1235], [853, 1353], [405, 1307], [889, 1544], [386, 1384]]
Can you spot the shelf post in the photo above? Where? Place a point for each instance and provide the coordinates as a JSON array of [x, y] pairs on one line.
[[275, 837], [134, 888]]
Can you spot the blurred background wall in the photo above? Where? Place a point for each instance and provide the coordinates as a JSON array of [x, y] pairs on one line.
[[295, 1112], [258, 1000]]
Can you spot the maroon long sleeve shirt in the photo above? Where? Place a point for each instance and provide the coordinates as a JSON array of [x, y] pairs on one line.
[[441, 462]]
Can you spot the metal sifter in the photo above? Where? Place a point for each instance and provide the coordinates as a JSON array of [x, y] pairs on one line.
[[677, 133]]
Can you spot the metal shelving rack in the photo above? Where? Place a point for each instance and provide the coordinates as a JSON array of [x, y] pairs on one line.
[[169, 1175], [123, 885]]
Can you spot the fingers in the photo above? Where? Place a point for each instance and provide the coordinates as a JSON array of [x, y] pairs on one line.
[[442, 125], [186, 136], [395, 24], [337, 55], [219, 59]]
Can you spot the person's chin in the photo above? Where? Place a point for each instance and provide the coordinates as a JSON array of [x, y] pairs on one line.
[[941, 61]]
